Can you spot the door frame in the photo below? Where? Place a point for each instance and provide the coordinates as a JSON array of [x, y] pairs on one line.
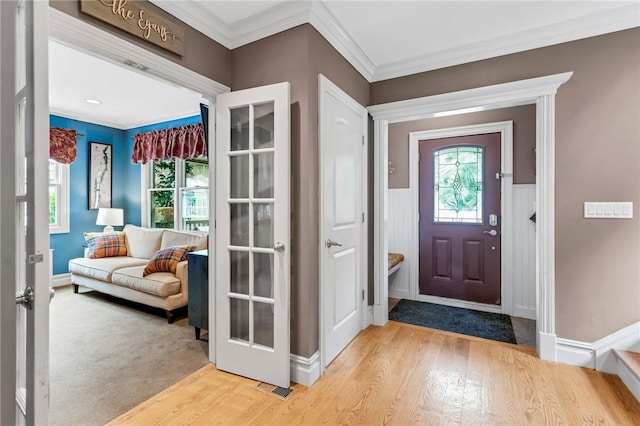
[[326, 85], [539, 91], [93, 40], [505, 128]]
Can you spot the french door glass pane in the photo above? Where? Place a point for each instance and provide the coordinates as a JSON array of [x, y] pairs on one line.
[[263, 225], [239, 224], [240, 129], [263, 274], [239, 178], [263, 126], [263, 175], [263, 324], [239, 272], [239, 319]]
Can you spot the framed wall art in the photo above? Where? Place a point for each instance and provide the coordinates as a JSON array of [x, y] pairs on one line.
[[99, 175]]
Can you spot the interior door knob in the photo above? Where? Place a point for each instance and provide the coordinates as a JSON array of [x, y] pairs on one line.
[[278, 246], [330, 244]]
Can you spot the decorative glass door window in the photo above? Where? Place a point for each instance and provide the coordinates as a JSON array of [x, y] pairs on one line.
[[458, 184]]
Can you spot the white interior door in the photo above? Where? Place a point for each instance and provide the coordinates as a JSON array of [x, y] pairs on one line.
[[252, 233], [24, 227], [343, 129]]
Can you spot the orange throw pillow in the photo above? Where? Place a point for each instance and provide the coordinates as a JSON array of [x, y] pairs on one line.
[[167, 259], [108, 244]]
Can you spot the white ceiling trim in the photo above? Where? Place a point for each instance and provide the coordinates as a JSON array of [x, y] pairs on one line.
[[200, 19], [327, 25], [289, 14], [271, 21], [264, 24], [591, 25]]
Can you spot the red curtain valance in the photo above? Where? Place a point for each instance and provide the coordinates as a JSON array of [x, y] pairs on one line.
[[62, 145], [185, 142]]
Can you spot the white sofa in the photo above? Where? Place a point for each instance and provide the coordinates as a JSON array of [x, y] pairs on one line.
[[122, 276]]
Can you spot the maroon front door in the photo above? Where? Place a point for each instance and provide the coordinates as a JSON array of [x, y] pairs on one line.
[[460, 218]]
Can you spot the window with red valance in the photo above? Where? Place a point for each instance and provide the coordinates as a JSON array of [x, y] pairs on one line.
[[186, 142], [62, 145]]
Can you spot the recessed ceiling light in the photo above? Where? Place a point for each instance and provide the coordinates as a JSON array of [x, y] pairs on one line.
[[93, 101]]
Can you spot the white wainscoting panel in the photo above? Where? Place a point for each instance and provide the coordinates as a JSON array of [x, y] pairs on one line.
[[524, 252], [399, 229]]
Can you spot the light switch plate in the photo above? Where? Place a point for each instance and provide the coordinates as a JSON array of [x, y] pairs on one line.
[[608, 210]]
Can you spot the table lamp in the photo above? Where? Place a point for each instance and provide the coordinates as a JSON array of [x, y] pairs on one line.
[[110, 217]]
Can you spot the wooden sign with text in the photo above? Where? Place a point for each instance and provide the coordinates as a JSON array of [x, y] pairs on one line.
[[134, 18]]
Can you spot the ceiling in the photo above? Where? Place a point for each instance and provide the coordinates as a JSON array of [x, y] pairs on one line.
[[381, 39]]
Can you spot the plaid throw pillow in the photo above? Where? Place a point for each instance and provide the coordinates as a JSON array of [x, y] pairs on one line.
[[167, 259], [107, 245]]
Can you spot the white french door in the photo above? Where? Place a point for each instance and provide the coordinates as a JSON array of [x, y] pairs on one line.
[[253, 233], [24, 227]]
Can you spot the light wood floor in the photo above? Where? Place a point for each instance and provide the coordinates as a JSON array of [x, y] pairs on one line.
[[401, 374]]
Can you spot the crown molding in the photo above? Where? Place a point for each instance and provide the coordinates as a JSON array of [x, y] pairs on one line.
[[327, 25], [276, 19], [618, 19], [290, 14], [269, 22], [199, 19]]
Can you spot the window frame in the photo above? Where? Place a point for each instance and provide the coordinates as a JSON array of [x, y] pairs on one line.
[[147, 189], [62, 199]]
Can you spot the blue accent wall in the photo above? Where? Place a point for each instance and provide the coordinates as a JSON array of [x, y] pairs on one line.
[[125, 183]]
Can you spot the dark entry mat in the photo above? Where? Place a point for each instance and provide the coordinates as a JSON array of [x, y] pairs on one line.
[[457, 320]]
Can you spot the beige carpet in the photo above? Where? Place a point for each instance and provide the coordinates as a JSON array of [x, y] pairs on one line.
[[107, 357]]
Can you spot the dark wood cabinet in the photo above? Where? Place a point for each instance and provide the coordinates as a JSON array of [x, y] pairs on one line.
[[198, 299]]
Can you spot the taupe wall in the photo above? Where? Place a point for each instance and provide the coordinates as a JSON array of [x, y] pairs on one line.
[[297, 56], [202, 54], [597, 154], [597, 159], [524, 140]]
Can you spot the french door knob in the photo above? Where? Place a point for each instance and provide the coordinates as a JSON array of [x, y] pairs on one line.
[[278, 246]]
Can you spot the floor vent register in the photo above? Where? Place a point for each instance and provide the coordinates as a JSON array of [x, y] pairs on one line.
[[277, 391]]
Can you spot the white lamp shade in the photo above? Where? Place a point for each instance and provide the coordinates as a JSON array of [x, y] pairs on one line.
[[110, 217]]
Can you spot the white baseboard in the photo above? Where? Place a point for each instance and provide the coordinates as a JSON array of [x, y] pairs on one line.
[[599, 354], [305, 371], [547, 347], [577, 353], [61, 280]]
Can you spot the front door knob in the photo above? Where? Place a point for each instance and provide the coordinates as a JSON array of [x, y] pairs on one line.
[[493, 232]]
